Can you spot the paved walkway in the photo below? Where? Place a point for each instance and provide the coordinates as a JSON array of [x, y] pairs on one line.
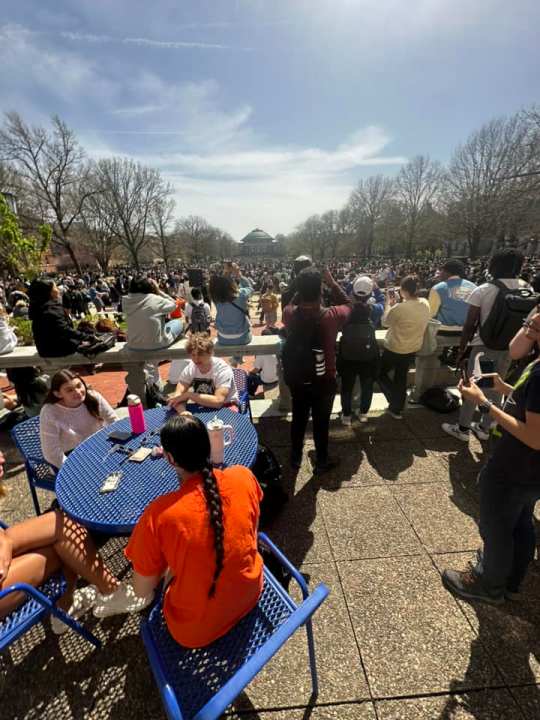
[[391, 642]]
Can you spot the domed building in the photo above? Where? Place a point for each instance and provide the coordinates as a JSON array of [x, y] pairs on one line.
[[258, 243]]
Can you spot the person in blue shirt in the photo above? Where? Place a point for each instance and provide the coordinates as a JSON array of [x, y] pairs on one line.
[[230, 293], [448, 298]]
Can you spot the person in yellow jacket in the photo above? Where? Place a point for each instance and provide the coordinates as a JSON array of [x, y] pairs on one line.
[[406, 321]]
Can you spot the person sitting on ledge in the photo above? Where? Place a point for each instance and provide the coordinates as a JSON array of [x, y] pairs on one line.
[[204, 535], [211, 378], [70, 414]]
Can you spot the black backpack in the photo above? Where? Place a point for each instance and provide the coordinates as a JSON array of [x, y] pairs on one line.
[[199, 319], [100, 343], [302, 356], [440, 400], [267, 470], [358, 341], [506, 317]]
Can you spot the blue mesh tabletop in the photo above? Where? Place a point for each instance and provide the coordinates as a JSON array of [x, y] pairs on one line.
[[85, 469]]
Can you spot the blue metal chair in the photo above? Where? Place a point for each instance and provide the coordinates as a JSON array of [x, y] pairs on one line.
[[200, 684], [241, 381], [39, 472], [41, 602]]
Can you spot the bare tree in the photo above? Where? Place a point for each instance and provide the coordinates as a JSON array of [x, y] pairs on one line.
[[130, 192], [367, 204], [98, 229], [51, 164], [196, 235], [485, 177], [417, 187], [161, 221]]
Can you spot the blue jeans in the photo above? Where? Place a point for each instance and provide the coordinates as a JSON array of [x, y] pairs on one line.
[[507, 529], [174, 327]]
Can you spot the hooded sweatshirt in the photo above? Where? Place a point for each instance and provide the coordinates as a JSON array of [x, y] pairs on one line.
[[146, 316]]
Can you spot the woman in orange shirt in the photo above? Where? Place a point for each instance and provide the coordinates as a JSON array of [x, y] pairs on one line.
[[204, 534]]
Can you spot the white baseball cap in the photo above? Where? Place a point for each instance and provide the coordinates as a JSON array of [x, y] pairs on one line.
[[362, 286]]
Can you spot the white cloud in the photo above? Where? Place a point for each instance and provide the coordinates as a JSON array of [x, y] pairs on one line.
[[148, 42]]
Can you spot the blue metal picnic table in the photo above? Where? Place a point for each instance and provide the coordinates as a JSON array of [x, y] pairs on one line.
[[81, 476]]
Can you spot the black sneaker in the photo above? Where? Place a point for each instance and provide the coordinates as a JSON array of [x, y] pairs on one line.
[[468, 586], [324, 467]]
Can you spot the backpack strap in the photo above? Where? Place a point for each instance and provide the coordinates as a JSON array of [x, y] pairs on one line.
[[244, 312]]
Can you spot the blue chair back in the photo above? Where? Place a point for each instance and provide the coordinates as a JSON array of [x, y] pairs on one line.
[[240, 379], [199, 684], [39, 603], [39, 472]]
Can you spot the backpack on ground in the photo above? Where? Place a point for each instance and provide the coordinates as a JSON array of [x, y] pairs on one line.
[[302, 356], [358, 342], [199, 322], [267, 470], [506, 317], [440, 400]]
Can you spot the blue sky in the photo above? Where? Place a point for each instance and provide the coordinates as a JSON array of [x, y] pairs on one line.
[[261, 112]]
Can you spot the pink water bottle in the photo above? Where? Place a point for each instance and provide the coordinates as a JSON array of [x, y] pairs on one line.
[[136, 414]]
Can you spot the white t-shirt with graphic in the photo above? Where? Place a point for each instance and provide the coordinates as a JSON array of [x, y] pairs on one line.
[[219, 375]]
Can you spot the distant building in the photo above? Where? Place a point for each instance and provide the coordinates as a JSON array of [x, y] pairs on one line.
[[258, 243]]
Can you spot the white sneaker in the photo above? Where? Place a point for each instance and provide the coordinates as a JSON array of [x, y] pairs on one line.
[[455, 432], [363, 417], [122, 600], [83, 600], [479, 431], [346, 420]]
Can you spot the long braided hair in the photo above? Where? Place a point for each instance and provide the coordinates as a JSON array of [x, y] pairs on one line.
[[186, 439]]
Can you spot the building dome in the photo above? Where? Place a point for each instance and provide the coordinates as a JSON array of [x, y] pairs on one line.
[[258, 242], [257, 235]]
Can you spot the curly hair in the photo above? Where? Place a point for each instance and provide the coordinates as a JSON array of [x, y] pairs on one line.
[[186, 439], [200, 344]]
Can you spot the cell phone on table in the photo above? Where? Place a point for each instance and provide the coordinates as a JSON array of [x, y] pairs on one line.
[[120, 435], [111, 482]]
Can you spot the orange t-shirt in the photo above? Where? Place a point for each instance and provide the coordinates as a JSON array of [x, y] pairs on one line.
[[175, 532]]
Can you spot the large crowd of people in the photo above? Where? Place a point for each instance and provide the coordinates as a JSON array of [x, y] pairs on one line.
[[204, 536]]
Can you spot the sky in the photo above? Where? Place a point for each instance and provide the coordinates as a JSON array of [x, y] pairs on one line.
[[263, 112]]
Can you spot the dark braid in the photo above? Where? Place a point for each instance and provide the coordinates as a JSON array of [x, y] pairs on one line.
[[215, 510]]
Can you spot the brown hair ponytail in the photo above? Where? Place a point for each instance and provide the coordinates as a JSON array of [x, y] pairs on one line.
[[63, 376], [215, 510]]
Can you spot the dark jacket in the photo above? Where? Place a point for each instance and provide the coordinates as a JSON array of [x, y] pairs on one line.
[[53, 331]]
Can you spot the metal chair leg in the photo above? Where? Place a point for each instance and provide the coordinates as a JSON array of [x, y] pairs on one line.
[[312, 659], [34, 495]]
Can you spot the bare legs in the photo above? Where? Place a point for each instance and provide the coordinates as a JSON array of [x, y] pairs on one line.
[[44, 544]]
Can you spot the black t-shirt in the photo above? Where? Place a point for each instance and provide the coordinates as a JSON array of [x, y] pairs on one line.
[[520, 463]]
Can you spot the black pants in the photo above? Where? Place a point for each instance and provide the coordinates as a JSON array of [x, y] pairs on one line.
[[318, 401], [507, 528], [395, 389], [367, 373]]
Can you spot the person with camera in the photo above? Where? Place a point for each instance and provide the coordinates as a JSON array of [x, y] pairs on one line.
[[406, 318], [509, 482]]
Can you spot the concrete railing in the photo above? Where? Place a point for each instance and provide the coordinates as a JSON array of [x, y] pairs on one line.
[[133, 361], [427, 373]]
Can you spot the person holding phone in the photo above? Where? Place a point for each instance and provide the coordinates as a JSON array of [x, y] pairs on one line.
[[509, 489]]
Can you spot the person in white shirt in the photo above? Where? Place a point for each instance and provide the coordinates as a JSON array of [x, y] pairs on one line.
[[505, 266], [70, 414], [211, 378], [8, 339]]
